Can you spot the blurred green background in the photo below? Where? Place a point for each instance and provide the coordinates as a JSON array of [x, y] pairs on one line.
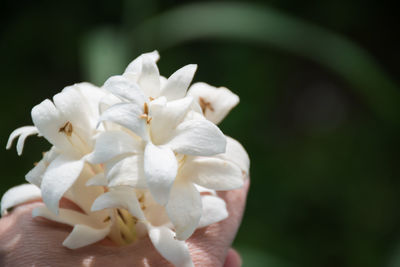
[[319, 112]]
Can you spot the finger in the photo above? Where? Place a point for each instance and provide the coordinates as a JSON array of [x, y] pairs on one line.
[[27, 241], [209, 246], [233, 259]]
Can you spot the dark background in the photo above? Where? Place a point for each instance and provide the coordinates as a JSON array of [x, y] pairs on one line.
[[319, 112]]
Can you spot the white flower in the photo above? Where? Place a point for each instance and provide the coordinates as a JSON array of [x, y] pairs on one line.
[[215, 102], [176, 149], [69, 124], [142, 157], [129, 160], [157, 116], [141, 81]]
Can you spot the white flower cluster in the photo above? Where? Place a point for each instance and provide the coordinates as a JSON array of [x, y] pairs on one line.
[[139, 156]]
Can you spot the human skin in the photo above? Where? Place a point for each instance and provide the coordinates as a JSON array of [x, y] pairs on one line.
[[27, 241]]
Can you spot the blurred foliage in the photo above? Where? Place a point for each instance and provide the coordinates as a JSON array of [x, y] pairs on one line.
[[319, 112]]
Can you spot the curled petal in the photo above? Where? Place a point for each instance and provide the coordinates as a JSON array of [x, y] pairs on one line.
[[83, 235], [160, 168], [66, 216], [213, 173], [58, 178], [198, 138], [178, 83], [236, 154], [111, 144], [49, 121], [175, 251], [215, 102], [18, 195], [184, 208], [214, 210], [87, 229], [22, 133], [74, 108], [121, 197], [35, 175], [129, 116]]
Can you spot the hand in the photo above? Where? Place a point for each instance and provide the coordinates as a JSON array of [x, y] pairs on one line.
[[27, 241]]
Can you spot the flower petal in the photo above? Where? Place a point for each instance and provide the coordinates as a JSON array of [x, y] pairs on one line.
[[166, 116], [125, 89], [215, 102], [121, 197], [214, 210], [236, 154], [82, 195], [74, 107], [154, 212], [175, 251], [97, 180], [83, 235], [87, 230], [136, 65], [59, 177], [93, 95], [129, 116], [23, 133], [35, 175], [212, 172], [205, 191], [67, 216], [184, 208], [49, 121], [18, 195], [198, 137], [149, 79], [160, 168], [126, 171], [105, 103], [178, 82], [21, 140], [111, 144]]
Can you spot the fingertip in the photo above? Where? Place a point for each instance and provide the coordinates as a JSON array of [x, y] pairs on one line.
[[233, 259]]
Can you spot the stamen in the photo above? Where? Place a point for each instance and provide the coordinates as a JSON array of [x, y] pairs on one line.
[[145, 114], [67, 129], [205, 105], [122, 216], [124, 237]]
